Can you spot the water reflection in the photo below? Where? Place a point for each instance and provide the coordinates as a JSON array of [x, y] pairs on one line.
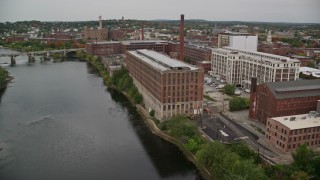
[[167, 158]]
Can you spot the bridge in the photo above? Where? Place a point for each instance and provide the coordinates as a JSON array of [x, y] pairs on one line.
[[46, 53]]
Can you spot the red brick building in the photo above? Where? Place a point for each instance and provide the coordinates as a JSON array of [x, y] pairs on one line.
[[14, 39], [116, 34], [275, 99], [303, 59], [288, 132], [156, 45], [196, 55], [277, 48], [62, 36], [106, 48], [167, 85]]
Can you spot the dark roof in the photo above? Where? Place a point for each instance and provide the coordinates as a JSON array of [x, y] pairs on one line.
[[294, 89]]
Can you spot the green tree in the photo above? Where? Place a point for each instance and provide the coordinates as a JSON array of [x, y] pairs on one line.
[[302, 158], [151, 113], [238, 103], [246, 170], [229, 89], [311, 64]]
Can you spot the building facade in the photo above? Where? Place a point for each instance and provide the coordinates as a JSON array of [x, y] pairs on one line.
[[237, 67], [168, 86], [107, 48], [236, 40], [288, 132], [90, 34], [194, 54], [275, 99]]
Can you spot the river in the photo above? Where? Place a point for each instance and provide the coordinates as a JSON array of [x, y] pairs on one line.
[[58, 121]]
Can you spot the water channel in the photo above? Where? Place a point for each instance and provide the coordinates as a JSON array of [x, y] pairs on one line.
[[58, 121]]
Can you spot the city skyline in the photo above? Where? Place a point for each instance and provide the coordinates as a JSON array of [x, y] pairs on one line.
[[295, 11]]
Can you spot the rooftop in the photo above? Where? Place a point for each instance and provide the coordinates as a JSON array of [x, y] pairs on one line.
[[265, 56], [299, 121], [288, 89], [160, 61], [131, 42]]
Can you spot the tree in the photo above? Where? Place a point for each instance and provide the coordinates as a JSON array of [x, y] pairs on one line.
[[229, 89], [302, 158], [187, 59], [311, 64], [238, 103], [151, 113]]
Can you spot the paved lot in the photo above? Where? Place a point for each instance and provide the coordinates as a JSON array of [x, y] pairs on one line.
[[238, 125]]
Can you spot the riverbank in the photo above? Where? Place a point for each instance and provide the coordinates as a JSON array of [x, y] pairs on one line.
[[5, 78]]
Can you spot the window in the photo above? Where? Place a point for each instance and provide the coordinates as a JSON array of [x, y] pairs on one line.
[[289, 146]]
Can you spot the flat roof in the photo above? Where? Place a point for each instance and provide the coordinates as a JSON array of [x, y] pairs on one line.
[[131, 42], [300, 121], [143, 42], [266, 56], [160, 61]]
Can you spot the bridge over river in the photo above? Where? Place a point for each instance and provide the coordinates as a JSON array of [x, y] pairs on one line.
[[46, 53]]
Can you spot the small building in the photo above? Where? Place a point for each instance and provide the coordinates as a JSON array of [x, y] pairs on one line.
[[288, 132], [168, 86]]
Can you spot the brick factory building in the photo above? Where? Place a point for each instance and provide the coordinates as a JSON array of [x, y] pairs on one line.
[[288, 132], [238, 67], [275, 99], [156, 45], [107, 48], [167, 85], [196, 55], [90, 34], [116, 34], [104, 48]]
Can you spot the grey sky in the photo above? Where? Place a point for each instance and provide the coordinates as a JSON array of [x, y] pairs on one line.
[[305, 11]]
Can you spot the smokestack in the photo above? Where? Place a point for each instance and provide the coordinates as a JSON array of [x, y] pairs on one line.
[[182, 38], [100, 22], [253, 98], [142, 31]]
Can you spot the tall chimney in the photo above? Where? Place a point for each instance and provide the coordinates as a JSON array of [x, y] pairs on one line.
[[253, 98], [142, 31], [182, 38], [100, 22]]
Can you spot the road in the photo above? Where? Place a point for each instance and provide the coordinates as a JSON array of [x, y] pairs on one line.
[[212, 125]]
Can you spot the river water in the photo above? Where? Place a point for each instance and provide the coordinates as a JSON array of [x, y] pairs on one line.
[[58, 121]]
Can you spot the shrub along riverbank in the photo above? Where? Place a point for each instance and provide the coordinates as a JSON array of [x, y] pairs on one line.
[[120, 80], [4, 78], [235, 161]]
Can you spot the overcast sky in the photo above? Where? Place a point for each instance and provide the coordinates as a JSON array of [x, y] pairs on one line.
[[304, 11]]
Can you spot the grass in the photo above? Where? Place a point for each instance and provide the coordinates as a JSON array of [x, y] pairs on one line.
[[209, 98]]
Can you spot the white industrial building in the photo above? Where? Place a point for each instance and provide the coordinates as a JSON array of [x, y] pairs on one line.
[[236, 40], [238, 66]]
